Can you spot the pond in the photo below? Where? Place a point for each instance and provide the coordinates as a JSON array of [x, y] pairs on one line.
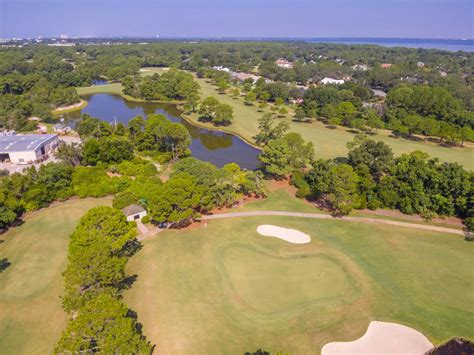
[[216, 147], [99, 82]]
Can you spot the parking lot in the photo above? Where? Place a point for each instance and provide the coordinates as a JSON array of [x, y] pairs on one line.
[[18, 168]]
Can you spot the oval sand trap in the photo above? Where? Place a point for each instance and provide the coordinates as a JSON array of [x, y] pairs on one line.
[[289, 235], [383, 338]]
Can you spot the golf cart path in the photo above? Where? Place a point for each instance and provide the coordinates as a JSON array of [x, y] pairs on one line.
[[326, 216]]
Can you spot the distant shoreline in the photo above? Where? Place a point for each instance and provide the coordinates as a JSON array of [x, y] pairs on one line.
[[447, 44], [453, 45]]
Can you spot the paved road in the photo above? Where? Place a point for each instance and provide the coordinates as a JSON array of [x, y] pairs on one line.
[[325, 216]]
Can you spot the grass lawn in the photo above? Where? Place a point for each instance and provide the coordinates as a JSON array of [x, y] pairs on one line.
[[283, 199], [114, 88], [329, 143], [223, 289], [31, 316]]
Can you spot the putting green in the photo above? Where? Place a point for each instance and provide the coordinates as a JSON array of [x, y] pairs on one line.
[[276, 284], [224, 289]]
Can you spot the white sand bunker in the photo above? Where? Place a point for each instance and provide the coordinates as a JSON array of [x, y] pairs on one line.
[[383, 338], [289, 235]]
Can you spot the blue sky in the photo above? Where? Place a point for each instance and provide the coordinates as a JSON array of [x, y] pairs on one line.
[[239, 18]]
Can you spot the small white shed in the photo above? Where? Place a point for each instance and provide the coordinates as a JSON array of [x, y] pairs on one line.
[[134, 212]]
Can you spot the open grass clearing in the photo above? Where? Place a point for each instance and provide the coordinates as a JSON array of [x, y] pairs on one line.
[[31, 316], [225, 289], [113, 88]]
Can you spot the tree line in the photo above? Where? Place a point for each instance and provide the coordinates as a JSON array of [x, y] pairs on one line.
[[170, 85], [193, 188], [35, 79], [100, 322], [118, 160], [83, 170], [371, 177]]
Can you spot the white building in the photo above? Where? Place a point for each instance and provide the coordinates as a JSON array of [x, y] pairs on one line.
[[331, 81], [134, 212], [28, 148], [221, 68], [283, 63]]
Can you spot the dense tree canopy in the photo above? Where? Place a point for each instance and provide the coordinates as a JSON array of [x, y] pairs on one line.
[[282, 155], [98, 252], [103, 325], [214, 111], [412, 183], [157, 134]]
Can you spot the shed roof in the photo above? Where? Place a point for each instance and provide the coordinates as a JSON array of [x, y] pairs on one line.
[[132, 210], [24, 143]]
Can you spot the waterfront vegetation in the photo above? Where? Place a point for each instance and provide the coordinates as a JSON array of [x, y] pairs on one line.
[[331, 141]]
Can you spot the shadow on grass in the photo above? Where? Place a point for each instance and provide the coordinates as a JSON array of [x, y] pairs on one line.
[[4, 264], [128, 282]]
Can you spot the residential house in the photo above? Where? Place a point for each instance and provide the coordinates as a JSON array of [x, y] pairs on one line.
[[283, 63], [331, 81]]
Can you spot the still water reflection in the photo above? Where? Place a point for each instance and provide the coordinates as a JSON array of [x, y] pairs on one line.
[[218, 148]]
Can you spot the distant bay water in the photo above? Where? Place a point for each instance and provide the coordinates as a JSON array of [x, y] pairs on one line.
[[454, 45]]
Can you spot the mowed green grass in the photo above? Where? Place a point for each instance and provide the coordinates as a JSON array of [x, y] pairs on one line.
[[31, 316], [113, 88], [329, 143], [223, 289]]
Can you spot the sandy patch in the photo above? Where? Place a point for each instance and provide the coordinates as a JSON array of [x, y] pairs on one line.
[[289, 235], [383, 338], [76, 105]]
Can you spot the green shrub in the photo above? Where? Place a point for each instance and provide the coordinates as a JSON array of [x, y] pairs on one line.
[[124, 199], [146, 219], [298, 180], [136, 167], [63, 195]]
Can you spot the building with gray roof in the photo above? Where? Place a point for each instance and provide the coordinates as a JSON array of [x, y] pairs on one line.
[[134, 212], [27, 148]]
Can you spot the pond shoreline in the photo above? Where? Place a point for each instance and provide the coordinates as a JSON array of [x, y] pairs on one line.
[[214, 144], [178, 105], [77, 106]]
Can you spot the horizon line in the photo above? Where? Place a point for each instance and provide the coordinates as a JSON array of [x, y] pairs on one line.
[[157, 37]]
